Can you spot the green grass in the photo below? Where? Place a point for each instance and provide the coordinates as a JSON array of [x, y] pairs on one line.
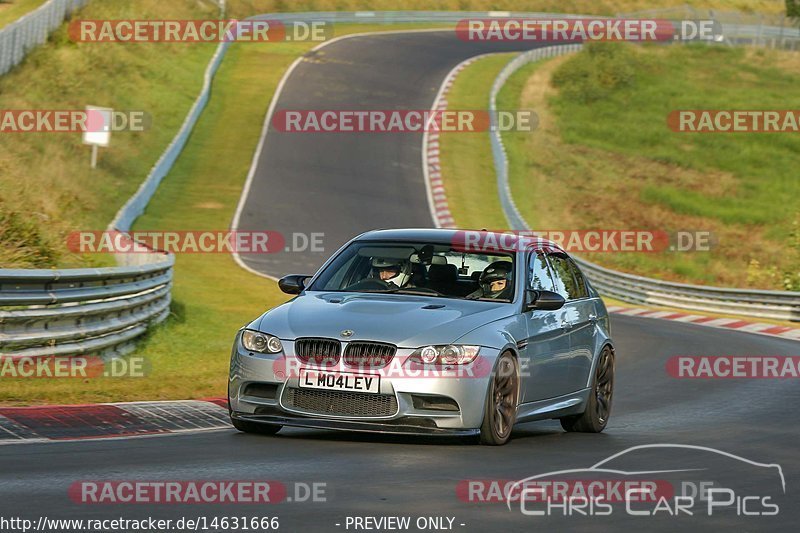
[[609, 161], [13, 10]]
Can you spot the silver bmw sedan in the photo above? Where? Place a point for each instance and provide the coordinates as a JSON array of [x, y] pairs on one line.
[[429, 332]]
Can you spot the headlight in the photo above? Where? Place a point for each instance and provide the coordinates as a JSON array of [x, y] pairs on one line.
[[451, 354], [255, 341]]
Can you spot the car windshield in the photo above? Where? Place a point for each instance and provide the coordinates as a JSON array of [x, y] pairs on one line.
[[427, 269]]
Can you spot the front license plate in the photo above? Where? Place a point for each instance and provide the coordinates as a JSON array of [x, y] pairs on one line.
[[316, 379]]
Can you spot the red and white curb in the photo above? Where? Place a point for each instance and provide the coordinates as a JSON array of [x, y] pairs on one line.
[[110, 420], [431, 162], [773, 330]]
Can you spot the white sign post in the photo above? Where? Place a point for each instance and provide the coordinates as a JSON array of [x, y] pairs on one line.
[[98, 129]]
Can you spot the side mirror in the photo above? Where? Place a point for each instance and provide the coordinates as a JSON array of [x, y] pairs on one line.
[[543, 301], [293, 283]]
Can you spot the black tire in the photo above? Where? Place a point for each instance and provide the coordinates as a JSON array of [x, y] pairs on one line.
[[598, 409], [245, 426], [501, 402]]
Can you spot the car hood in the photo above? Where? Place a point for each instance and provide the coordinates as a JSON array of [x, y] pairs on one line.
[[404, 320]]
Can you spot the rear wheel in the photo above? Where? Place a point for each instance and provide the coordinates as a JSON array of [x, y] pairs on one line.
[[501, 402], [598, 408]]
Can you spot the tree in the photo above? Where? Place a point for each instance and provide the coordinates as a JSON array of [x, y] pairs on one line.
[[793, 9]]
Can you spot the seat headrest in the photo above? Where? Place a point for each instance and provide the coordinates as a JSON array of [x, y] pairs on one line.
[[443, 273]]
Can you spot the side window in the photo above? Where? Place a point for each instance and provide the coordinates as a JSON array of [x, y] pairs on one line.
[[538, 274], [580, 283], [563, 278]]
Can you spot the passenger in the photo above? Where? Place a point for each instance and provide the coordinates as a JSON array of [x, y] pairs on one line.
[[495, 282]]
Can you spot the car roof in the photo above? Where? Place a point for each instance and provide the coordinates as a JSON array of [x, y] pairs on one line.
[[455, 236]]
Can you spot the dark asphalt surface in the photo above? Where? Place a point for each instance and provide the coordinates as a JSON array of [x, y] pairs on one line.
[[342, 185]]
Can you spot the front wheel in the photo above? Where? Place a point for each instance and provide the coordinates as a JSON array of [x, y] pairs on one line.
[[501, 402], [598, 409]]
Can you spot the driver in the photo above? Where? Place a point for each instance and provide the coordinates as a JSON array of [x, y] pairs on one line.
[[495, 282], [387, 270]]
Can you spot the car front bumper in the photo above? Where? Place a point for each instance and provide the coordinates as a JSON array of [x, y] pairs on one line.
[[264, 388]]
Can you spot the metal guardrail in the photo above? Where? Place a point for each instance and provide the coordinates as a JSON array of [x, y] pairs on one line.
[[779, 305], [81, 311], [738, 28], [32, 29]]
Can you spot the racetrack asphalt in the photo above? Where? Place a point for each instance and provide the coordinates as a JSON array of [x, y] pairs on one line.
[[344, 184]]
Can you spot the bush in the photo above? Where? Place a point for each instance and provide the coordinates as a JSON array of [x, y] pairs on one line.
[[21, 242], [793, 9], [600, 69]]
